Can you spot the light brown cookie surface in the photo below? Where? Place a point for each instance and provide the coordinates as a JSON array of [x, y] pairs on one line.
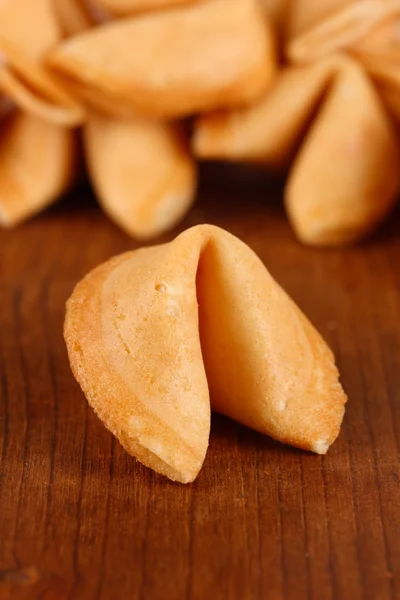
[[143, 173], [36, 165], [344, 180], [175, 62]]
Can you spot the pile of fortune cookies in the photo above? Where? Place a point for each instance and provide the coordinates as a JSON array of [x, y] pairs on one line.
[[155, 86]]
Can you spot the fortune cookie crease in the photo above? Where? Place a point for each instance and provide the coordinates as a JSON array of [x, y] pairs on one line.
[[331, 110], [120, 155], [151, 334]]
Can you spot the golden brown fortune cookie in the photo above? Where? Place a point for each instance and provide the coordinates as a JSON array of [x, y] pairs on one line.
[[153, 332], [346, 176], [223, 56], [36, 149], [143, 174], [36, 163]]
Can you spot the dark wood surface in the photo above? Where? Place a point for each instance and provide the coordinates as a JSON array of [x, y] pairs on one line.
[[80, 519]]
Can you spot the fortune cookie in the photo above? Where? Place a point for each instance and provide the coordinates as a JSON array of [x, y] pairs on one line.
[[36, 163], [37, 149], [143, 174], [172, 63], [346, 176], [153, 333]]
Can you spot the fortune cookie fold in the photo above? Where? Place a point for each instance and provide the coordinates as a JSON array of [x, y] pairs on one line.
[[172, 63], [143, 174], [151, 332]]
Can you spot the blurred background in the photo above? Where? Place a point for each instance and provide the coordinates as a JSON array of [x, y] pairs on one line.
[[122, 123]]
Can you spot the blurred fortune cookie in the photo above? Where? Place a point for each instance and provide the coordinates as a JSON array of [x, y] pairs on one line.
[[173, 63], [154, 334], [309, 87]]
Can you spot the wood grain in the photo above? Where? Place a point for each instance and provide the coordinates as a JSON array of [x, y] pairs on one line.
[[80, 519]]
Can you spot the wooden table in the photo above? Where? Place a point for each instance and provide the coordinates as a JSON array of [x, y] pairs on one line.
[[80, 519]]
